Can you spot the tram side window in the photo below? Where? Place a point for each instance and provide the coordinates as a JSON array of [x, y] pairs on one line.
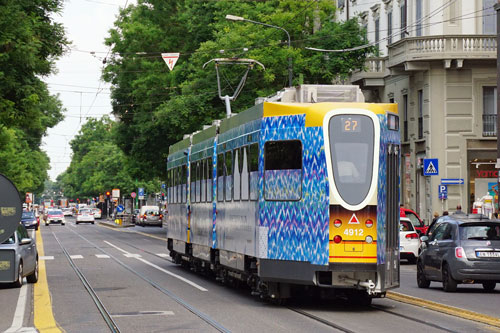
[[203, 180], [209, 180], [228, 170], [198, 181], [184, 183], [168, 186], [237, 174], [283, 170], [220, 177], [244, 174], [253, 164], [176, 185]]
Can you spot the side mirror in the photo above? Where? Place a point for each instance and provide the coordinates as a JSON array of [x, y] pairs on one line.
[[25, 241], [424, 239]]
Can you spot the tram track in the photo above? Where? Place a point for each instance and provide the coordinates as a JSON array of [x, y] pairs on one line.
[[204, 317]]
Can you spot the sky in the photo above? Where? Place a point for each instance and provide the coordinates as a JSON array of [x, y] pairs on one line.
[[77, 80]]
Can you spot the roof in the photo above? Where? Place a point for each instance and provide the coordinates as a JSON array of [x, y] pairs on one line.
[[468, 218]]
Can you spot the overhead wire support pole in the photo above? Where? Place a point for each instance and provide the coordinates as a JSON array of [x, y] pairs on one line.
[[497, 166], [290, 64]]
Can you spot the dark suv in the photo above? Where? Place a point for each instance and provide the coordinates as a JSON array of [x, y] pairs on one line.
[[460, 249]]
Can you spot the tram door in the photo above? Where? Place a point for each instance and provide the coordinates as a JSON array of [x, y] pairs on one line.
[[392, 216]]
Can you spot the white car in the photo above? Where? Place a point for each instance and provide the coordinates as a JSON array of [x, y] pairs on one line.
[[409, 241], [85, 215], [67, 212], [97, 213]]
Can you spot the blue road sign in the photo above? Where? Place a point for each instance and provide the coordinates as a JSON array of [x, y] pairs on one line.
[[163, 186], [431, 167], [140, 191], [452, 181], [120, 208], [443, 192]]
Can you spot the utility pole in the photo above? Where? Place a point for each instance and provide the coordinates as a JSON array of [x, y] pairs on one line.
[[497, 166]]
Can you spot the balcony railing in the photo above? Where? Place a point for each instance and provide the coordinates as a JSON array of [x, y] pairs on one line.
[[375, 68], [442, 47], [489, 125]]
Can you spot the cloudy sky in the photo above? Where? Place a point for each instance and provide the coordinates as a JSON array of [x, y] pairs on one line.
[[77, 82]]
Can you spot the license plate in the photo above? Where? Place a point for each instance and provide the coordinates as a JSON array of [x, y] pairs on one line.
[[488, 254], [4, 265]]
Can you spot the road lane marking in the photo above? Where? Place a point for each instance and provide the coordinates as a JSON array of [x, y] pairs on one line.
[[447, 309], [46, 257], [76, 256], [43, 316], [163, 255], [130, 255], [143, 313], [102, 256], [132, 231], [17, 321]]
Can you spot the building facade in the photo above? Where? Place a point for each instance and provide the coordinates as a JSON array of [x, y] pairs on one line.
[[437, 60]]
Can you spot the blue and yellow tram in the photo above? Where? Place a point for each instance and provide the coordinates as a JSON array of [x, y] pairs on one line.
[[289, 194]]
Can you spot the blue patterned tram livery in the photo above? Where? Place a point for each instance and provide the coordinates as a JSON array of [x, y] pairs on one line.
[[293, 195]]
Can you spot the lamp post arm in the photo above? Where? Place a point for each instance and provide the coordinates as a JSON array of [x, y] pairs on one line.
[[271, 26]]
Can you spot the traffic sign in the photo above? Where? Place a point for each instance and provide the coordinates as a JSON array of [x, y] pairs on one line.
[[115, 193], [170, 59], [431, 167], [133, 195], [443, 192], [120, 208], [452, 181], [141, 193], [10, 208], [163, 186]]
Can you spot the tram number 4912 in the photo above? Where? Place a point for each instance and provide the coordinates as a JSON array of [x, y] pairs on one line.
[[353, 232]]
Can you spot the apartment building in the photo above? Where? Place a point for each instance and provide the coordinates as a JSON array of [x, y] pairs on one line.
[[437, 60]]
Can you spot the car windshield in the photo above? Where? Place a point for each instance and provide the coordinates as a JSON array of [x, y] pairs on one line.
[[480, 231], [405, 226], [413, 218], [55, 212], [85, 211], [28, 215]]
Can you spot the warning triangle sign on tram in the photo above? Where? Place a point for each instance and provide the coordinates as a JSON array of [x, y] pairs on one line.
[[353, 220]]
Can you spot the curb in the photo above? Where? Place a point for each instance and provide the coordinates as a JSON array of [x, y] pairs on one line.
[[447, 309], [114, 225]]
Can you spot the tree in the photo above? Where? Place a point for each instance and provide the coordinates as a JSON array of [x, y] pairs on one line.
[[30, 43], [157, 107]]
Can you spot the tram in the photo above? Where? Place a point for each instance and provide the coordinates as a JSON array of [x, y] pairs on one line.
[[299, 192]]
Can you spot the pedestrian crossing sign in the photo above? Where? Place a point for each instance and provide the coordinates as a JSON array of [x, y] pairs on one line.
[[431, 167]]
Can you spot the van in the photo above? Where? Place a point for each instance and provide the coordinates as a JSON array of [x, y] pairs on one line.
[[150, 215]]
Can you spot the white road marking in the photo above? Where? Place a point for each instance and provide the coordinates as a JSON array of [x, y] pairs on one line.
[[130, 255], [17, 321], [144, 313], [163, 255], [46, 258], [102, 256], [76, 256]]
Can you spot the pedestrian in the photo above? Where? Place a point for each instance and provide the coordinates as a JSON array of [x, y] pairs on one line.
[[435, 216], [458, 210], [445, 213]]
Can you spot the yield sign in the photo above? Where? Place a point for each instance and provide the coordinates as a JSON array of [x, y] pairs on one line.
[[170, 59], [353, 220]]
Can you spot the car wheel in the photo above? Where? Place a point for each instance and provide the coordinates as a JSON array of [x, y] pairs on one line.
[[77, 222], [33, 277], [422, 281], [489, 285], [449, 284], [19, 282], [92, 222], [63, 223]]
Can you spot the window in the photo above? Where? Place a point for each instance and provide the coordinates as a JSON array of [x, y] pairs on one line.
[[419, 17], [377, 31], [489, 17], [245, 184], [220, 177], [420, 114], [253, 164], [389, 28], [237, 173], [405, 117], [198, 181], [228, 173], [352, 140], [209, 180], [403, 18], [490, 100], [203, 180], [192, 194], [283, 170]]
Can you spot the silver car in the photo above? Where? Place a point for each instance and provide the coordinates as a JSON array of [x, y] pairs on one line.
[[19, 258], [460, 249]]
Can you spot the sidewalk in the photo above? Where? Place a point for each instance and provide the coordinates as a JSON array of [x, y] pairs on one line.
[[109, 222]]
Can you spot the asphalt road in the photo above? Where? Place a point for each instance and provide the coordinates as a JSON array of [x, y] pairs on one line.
[[143, 291]]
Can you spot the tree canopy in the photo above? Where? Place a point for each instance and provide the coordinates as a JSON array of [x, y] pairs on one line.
[[155, 107], [30, 42]]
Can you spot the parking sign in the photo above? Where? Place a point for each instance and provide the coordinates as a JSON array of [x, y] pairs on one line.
[[443, 192]]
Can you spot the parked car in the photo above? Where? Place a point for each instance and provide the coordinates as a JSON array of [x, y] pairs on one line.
[[18, 258], [409, 241], [150, 215], [29, 220], [460, 249], [85, 215], [97, 213], [55, 216], [417, 222], [67, 212]]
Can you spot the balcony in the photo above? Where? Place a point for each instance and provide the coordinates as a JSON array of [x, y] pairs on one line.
[[373, 74], [489, 125], [447, 48]]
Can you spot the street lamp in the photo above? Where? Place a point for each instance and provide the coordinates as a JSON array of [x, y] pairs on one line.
[[290, 70]]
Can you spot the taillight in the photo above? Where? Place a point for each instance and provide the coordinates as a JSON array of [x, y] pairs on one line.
[[412, 236], [337, 239], [459, 252], [369, 223], [161, 216], [337, 223]]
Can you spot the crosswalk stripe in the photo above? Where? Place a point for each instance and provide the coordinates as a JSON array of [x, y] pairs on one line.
[[102, 256], [76, 256]]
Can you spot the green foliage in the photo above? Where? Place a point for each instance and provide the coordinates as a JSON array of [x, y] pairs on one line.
[[30, 42], [155, 107]]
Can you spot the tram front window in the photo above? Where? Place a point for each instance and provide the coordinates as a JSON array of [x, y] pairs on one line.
[[352, 146]]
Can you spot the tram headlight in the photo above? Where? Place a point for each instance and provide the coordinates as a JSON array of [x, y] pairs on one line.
[[369, 223], [337, 239], [369, 239], [337, 223]]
